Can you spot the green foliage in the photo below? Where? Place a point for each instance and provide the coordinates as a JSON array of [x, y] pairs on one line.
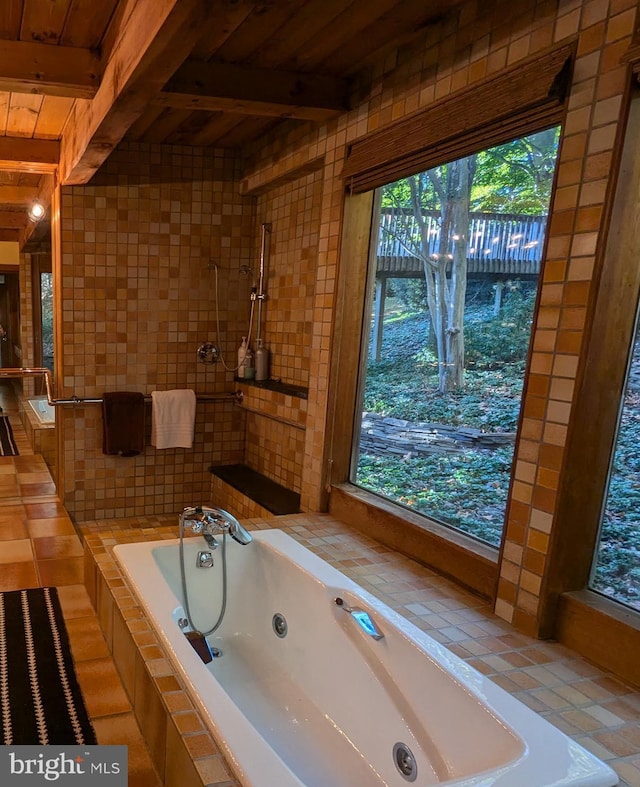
[[512, 178], [403, 384], [517, 177], [411, 293], [617, 570], [467, 491], [503, 339], [431, 222], [46, 293]]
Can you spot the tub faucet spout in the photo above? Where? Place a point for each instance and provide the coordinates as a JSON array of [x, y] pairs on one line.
[[210, 522]]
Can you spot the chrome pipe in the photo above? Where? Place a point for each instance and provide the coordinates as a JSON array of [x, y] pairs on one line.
[[261, 295], [46, 373], [28, 372]]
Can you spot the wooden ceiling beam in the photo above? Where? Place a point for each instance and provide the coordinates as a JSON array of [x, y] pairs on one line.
[[13, 219], [31, 67], [221, 87], [152, 41], [29, 155], [17, 195]]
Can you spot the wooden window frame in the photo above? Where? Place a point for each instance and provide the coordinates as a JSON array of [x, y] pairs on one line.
[[532, 97]]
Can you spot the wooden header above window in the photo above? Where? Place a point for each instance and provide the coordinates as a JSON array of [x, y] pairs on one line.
[[520, 100], [633, 54]]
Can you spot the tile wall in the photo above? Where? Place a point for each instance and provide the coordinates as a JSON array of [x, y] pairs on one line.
[[274, 449], [293, 211], [584, 180], [137, 288], [479, 42], [140, 249], [275, 434]]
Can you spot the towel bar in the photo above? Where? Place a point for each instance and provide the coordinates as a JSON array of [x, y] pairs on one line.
[[46, 373]]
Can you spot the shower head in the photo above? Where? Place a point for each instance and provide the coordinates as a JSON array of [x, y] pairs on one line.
[[245, 270]]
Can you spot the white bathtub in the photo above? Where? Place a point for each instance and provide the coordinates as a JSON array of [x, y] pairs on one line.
[[325, 705], [44, 411]]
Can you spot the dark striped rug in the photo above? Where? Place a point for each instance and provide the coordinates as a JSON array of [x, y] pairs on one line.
[[40, 698], [8, 445]]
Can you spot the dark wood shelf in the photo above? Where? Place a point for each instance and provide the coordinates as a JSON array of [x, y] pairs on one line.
[[275, 385], [269, 494]]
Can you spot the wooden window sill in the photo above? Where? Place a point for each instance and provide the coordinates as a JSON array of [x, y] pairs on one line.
[[601, 630], [465, 560]]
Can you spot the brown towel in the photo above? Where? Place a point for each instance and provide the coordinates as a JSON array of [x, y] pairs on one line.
[[123, 423]]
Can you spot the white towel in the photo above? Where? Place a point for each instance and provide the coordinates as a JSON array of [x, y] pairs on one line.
[[173, 415]]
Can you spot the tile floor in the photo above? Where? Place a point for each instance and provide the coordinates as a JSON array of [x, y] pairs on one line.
[[592, 706], [39, 546]]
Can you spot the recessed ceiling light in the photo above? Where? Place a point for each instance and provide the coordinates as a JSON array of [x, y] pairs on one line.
[[36, 211]]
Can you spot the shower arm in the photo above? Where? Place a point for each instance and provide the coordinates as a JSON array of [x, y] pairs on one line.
[[260, 295]]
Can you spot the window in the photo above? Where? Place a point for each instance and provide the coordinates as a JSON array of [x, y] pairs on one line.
[[42, 284], [452, 293], [616, 569], [46, 318]]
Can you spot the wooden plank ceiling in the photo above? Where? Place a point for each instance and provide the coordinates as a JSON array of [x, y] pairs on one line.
[[78, 76]]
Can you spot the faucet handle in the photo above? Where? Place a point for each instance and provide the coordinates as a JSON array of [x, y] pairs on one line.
[[210, 521]]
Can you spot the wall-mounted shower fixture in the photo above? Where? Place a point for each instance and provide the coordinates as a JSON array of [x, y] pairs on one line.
[[259, 294], [208, 353], [216, 299]]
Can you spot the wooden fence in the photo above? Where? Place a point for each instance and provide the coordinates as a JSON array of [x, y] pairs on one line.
[[498, 245], [501, 244]]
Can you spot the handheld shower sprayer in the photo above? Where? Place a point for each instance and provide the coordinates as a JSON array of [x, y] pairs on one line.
[[257, 294]]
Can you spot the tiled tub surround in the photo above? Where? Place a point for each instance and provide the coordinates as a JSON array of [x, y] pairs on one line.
[[41, 434], [591, 706]]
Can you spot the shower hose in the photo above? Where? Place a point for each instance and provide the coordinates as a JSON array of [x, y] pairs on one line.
[[185, 594]]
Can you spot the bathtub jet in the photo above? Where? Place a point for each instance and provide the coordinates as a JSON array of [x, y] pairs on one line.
[[362, 618]]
